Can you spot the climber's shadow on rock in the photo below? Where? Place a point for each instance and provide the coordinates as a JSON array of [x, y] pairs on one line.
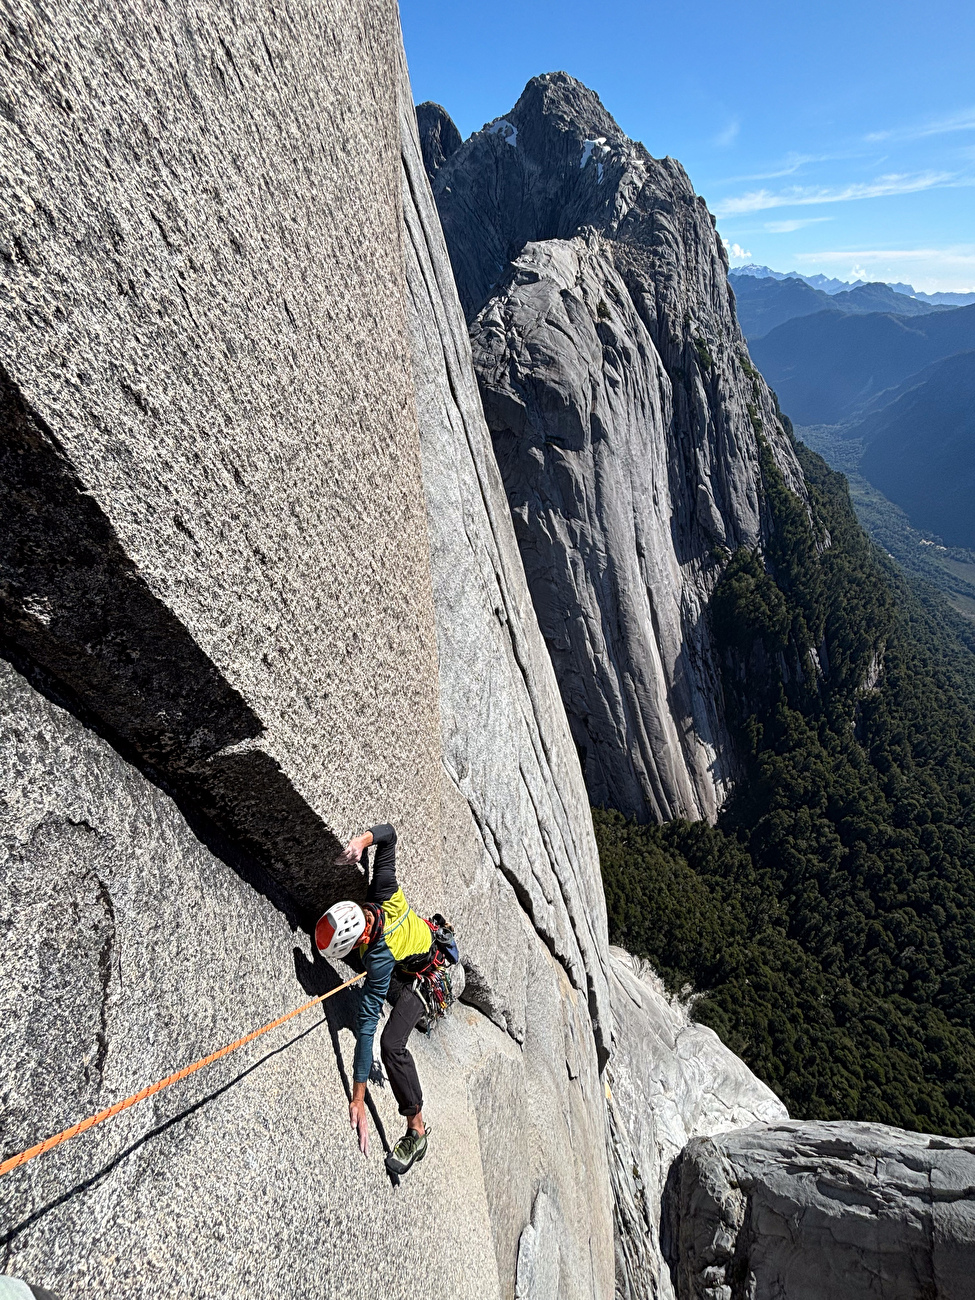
[[341, 1012], [82, 623]]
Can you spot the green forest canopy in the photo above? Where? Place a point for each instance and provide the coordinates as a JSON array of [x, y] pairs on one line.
[[829, 918]]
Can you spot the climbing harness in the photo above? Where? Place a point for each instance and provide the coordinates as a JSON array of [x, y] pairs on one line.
[[432, 972], [50, 1143]]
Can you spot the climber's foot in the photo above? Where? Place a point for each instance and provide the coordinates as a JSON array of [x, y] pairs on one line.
[[408, 1151]]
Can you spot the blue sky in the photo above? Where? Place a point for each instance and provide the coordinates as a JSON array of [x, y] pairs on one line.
[[832, 137]]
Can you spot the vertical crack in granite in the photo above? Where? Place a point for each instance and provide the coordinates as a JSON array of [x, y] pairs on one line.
[[105, 976]]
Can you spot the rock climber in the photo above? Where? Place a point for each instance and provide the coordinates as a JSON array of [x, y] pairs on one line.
[[388, 933]]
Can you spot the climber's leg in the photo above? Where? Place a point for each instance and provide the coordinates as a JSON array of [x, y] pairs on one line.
[[404, 1081], [400, 1066]]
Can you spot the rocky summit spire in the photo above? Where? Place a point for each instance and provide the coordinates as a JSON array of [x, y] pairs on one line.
[[626, 420], [439, 137], [555, 163]]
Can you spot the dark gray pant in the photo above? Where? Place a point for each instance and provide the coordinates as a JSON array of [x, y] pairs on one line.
[[400, 1066]]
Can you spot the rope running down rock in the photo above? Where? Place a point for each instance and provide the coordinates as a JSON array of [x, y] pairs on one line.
[[50, 1143]]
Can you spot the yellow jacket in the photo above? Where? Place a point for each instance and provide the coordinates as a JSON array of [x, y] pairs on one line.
[[406, 933]]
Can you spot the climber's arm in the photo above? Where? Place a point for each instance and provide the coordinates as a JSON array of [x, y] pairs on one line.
[[379, 970], [383, 885]]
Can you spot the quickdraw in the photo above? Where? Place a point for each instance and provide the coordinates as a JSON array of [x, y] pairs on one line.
[[436, 992]]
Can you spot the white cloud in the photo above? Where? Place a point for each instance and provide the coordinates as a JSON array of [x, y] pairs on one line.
[[964, 253], [736, 253], [932, 270], [787, 227], [789, 166], [801, 195], [963, 121], [729, 135]]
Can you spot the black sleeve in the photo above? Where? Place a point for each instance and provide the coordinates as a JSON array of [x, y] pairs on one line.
[[383, 884]]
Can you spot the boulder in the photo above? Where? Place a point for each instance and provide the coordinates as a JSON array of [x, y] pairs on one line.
[[824, 1211]]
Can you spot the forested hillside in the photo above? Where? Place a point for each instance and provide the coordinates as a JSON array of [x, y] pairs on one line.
[[829, 919]]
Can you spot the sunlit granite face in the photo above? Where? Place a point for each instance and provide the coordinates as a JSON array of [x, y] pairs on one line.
[[626, 420]]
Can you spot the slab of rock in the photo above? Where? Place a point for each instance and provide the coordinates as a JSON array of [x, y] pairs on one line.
[[225, 657], [669, 1080], [197, 460], [824, 1211], [519, 844]]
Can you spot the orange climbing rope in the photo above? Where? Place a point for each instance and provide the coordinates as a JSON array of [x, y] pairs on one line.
[[50, 1143]]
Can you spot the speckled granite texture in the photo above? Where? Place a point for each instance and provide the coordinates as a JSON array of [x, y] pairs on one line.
[[517, 827], [200, 229], [223, 658]]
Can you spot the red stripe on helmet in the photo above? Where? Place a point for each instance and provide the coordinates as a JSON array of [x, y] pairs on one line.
[[324, 931]]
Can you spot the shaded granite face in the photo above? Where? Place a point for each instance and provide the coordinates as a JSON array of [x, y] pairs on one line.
[[824, 1211], [222, 652], [439, 138], [626, 417]]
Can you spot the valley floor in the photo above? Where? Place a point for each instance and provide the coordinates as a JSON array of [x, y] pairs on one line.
[[949, 569]]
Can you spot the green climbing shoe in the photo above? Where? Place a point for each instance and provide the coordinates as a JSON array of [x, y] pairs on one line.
[[408, 1151]]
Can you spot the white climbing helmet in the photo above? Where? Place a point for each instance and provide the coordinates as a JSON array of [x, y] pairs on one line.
[[339, 929]]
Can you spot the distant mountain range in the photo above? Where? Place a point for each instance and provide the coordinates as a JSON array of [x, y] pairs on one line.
[[829, 286], [920, 448], [892, 376], [766, 302], [827, 367]]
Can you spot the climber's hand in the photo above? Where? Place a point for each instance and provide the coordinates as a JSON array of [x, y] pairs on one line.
[[360, 1122], [356, 847]]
